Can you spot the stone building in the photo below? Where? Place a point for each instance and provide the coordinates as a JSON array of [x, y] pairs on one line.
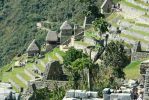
[[54, 71], [106, 6], [146, 86], [33, 49], [66, 31], [52, 40]]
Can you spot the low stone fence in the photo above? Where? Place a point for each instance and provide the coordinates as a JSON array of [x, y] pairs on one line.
[[139, 56]]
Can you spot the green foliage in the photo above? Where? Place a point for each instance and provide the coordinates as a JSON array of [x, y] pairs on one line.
[[115, 56], [101, 25], [71, 55], [46, 94], [18, 22]]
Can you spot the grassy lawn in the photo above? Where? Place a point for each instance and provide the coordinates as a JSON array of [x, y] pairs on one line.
[[132, 71]]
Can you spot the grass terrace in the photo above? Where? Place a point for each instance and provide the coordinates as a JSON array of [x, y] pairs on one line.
[[143, 25], [133, 38], [6, 74], [141, 2], [140, 32], [132, 5]]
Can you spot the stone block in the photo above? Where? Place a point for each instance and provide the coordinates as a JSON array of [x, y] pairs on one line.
[[70, 94], [92, 94], [70, 98], [80, 94], [120, 96]]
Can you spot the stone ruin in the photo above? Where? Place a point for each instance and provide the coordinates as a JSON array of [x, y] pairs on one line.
[[108, 94], [53, 77], [146, 86], [106, 6], [138, 53], [144, 66], [81, 95], [54, 71]]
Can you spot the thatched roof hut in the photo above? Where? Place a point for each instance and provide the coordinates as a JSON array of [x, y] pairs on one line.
[[66, 26], [33, 48], [52, 36]]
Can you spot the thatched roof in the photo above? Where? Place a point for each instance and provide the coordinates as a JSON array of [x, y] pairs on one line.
[[33, 46], [65, 26], [52, 36]]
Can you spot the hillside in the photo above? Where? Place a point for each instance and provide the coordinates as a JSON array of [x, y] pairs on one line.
[[18, 20]]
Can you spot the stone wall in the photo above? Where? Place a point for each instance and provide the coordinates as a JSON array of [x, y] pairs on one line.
[[139, 56], [106, 6], [143, 67], [89, 41], [42, 84]]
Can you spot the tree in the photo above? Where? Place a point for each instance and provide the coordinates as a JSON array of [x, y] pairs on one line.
[[100, 25], [115, 56], [71, 55]]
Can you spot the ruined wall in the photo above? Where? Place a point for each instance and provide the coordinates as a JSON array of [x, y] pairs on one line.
[[139, 56], [143, 68], [42, 84], [89, 41], [106, 7]]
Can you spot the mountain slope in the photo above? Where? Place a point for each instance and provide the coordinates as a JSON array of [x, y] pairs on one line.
[[18, 20]]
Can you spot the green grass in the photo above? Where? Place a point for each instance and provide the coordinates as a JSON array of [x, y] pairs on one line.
[[133, 38], [5, 76], [141, 24], [41, 67], [132, 5], [132, 71], [140, 32], [141, 2]]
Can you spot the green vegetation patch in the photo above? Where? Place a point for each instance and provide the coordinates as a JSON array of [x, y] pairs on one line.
[[141, 2], [141, 24], [132, 71]]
